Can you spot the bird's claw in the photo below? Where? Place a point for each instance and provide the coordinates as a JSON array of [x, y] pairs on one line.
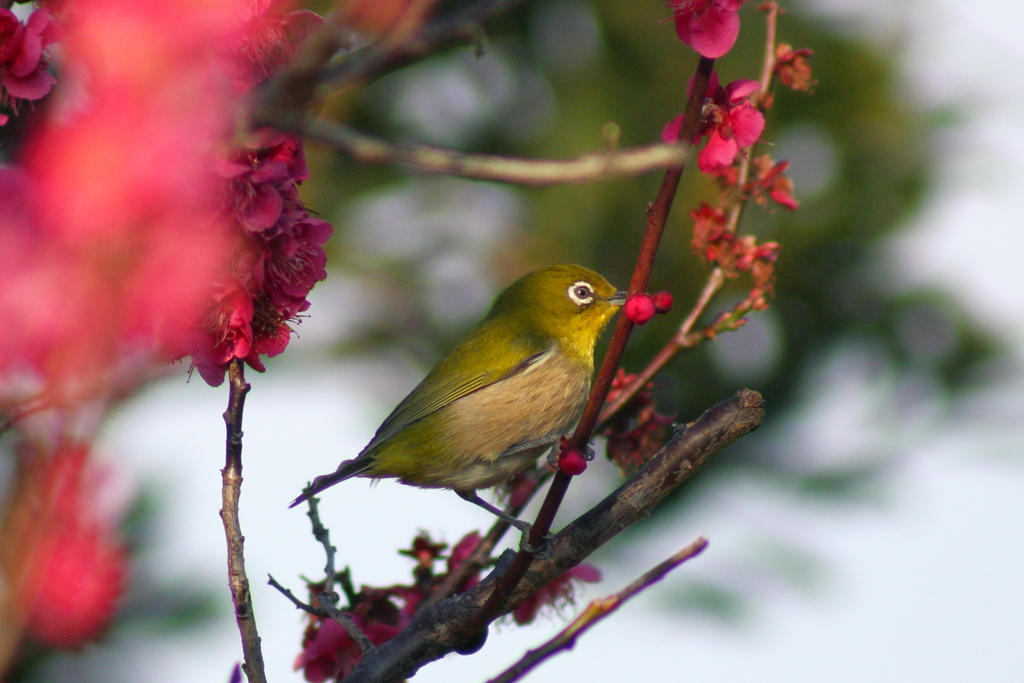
[[524, 527], [543, 552]]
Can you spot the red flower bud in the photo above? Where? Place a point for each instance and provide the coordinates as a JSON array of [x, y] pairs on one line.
[[572, 462], [662, 302], [639, 308]]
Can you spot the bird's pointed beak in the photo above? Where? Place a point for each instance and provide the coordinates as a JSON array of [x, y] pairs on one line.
[[618, 298]]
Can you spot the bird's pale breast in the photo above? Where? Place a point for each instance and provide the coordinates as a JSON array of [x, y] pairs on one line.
[[491, 434]]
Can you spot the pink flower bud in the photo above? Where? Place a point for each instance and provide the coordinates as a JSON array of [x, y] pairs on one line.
[[662, 302], [639, 308]]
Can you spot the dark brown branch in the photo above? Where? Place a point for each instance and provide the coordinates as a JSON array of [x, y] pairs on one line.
[[231, 490], [451, 624], [595, 612], [657, 216]]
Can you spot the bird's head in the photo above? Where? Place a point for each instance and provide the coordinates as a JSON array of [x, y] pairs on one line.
[[568, 303]]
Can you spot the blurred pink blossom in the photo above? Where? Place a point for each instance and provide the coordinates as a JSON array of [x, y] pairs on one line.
[[560, 590], [74, 562]]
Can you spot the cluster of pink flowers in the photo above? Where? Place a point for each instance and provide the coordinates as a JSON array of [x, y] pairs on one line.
[[278, 257], [278, 253], [716, 243], [329, 653], [732, 120], [24, 60]]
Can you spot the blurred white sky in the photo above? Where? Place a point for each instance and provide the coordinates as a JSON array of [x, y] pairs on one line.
[[925, 585]]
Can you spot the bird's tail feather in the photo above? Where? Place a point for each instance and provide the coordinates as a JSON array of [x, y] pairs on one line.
[[346, 470]]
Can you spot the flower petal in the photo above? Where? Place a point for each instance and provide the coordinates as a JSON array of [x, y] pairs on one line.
[[747, 124], [713, 32], [670, 133], [741, 88], [717, 153], [29, 55], [32, 87]]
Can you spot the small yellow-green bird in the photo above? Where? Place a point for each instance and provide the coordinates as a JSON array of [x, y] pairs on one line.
[[502, 397]]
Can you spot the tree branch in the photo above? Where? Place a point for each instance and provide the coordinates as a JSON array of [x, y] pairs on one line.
[[450, 625], [595, 612], [592, 166], [231, 490]]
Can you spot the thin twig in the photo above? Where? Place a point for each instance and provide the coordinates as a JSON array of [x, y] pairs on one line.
[[326, 602], [476, 561], [657, 216], [535, 172], [231, 490], [480, 557], [767, 70], [286, 592], [321, 534], [685, 338], [595, 612], [327, 610], [326, 599]]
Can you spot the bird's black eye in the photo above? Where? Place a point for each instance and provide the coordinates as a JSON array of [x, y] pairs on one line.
[[581, 293]]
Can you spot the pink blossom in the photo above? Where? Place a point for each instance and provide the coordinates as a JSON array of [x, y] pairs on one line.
[[23, 62], [710, 27], [560, 590], [293, 262], [729, 120], [771, 178], [462, 550], [735, 124]]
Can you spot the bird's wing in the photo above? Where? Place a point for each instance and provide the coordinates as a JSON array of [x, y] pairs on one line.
[[447, 382]]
